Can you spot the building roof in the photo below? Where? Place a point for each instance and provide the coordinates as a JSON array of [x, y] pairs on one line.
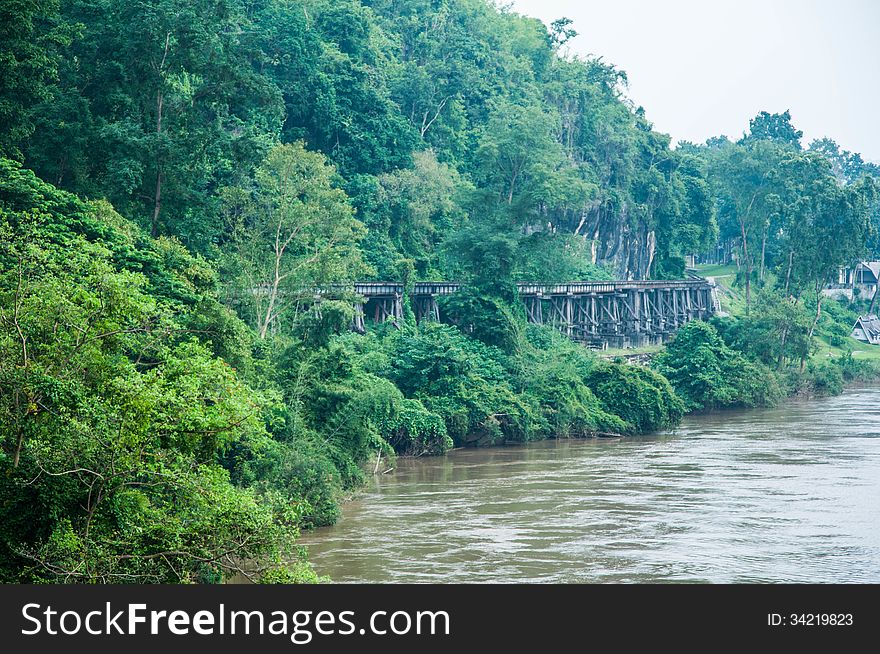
[[873, 266], [870, 325]]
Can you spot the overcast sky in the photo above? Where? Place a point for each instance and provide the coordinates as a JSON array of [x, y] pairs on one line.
[[702, 68]]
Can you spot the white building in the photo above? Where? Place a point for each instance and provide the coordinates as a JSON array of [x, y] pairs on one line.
[[867, 329], [860, 280]]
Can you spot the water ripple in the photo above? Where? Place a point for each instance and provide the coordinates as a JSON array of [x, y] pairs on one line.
[[790, 494]]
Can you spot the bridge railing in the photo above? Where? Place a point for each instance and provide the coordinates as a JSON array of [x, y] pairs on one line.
[[619, 313], [525, 289]]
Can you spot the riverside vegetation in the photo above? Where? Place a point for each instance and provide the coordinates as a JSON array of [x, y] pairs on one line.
[[162, 422]]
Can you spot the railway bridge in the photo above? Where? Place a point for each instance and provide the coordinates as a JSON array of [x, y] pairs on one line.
[[617, 314]]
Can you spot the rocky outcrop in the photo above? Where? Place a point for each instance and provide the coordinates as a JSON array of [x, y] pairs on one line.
[[625, 245]]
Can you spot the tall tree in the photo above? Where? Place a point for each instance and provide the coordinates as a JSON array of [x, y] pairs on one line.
[[826, 225], [744, 178], [294, 231], [776, 128], [32, 35], [172, 101]]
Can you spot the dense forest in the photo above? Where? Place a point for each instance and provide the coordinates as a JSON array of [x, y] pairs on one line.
[[177, 177]]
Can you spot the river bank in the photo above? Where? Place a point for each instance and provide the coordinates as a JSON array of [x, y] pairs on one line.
[[785, 494]]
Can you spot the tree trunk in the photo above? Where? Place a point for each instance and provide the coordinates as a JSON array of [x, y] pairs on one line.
[[273, 295], [785, 329], [160, 103], [763, 251], [818, 315], [788, 271], [748, 265], [157, 204], [19, 429], [154, 226], [782, 341], [815, 321], [267, 318]]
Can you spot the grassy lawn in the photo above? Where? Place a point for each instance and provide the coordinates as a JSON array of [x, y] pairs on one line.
[[732, 297], [717, 270], [615, 352], [860, 350], [733, 302]]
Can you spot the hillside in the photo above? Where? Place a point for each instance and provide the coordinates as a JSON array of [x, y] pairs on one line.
[[177, 178]]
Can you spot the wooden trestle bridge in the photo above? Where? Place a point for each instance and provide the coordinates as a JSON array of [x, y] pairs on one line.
[[616, 314]]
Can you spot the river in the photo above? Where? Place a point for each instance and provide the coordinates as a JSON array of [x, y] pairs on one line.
[[789, 494]]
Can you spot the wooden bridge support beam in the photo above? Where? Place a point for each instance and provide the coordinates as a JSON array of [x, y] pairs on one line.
[[534, 312], [600, 314], [385, 307], [426, 308], [357, 323]]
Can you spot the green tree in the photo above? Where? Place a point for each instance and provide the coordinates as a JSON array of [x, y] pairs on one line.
[[744, 177], [826, 226], [418, 208], [519, 155], [294, 232], [32, 35], [774, 127], [113, 419], [156, 87], [706, 373]]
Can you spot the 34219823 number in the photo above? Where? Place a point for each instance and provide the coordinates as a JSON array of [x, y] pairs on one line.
[[810, 619]]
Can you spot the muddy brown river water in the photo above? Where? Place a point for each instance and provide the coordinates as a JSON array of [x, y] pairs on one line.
[[790, 494]]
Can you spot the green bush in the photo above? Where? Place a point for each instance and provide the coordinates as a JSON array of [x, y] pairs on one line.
[[706, 373], [854, 369], [303, 473], [825, 378], [641, 397], [413, 430], [552, 375], [461, 380]]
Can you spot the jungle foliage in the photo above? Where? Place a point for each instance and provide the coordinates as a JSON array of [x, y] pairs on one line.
[[179, 179]]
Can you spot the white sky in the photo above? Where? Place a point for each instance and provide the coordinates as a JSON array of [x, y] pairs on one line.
[[701, 68]]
